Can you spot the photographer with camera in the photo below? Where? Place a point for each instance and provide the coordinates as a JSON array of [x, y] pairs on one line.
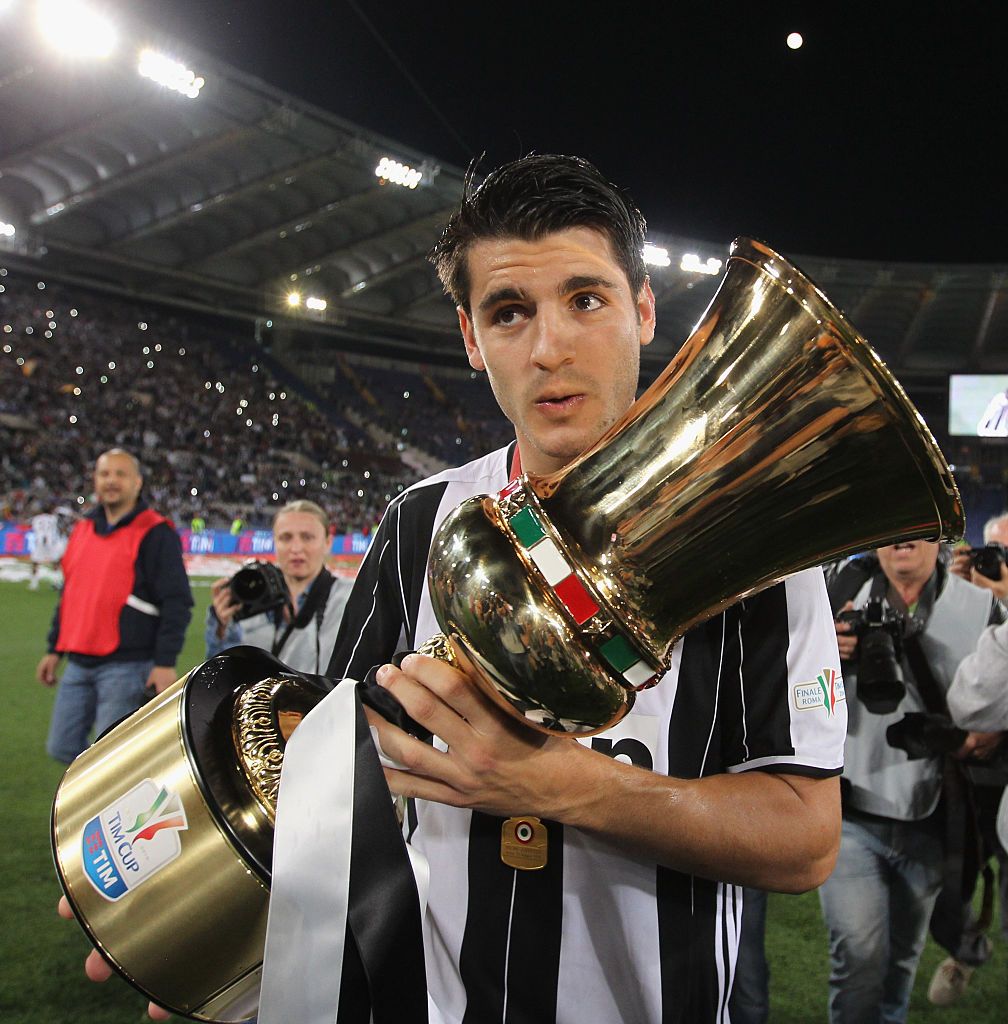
[[904, 623], [985, 566], [292, 608]]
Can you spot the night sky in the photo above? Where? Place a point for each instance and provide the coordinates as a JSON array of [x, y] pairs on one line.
[[883, 137]]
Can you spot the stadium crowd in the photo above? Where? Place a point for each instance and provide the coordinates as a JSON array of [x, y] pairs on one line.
[[223, 430]]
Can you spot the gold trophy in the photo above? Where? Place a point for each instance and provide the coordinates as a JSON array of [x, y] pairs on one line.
[[775, 440]]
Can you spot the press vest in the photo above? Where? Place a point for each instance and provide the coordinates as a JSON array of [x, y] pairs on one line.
[[99, 572], [883, 780]]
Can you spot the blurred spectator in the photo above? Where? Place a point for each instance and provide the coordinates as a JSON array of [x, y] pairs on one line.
[[301, 627], [49, 540], [123, 613]]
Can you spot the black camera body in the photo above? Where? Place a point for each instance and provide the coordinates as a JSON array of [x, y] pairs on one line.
[[988, 560], [260, 587], [879, 631]]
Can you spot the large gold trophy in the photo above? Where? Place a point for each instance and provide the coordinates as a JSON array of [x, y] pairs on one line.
[[775, 440]]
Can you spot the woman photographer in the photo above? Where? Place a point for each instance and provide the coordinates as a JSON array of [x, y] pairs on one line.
[[300, 628]]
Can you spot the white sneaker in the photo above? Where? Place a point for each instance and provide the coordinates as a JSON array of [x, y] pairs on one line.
[[949, 982]]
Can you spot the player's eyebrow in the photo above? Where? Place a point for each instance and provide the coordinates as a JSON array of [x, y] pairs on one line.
[[508, 293], [581, 281]]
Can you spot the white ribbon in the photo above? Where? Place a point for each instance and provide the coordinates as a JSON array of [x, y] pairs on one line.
[[306, 929]]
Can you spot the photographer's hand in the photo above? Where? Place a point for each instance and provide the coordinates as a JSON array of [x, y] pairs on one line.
[[224, 605], [962, 561], [978, 746], [846, 640], [999, 587]]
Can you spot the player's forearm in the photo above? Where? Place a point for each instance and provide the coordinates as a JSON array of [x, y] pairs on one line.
[[769, 831]]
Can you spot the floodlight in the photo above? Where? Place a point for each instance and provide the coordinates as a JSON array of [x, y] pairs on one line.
[[398, 173], [691, 264], [6, 230], [170, 73], [655, 255], [293, 298], [313, 303], [75, 28]]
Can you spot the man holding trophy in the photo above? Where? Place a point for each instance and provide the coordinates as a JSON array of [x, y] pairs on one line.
[[579, 835], [635, 912]]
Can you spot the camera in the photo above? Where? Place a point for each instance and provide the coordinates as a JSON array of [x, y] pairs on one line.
[[988, 560], [921, 734], [879, 632], [260, 587]]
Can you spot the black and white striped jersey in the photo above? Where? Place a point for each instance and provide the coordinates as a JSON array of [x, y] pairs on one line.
[[599, 936]]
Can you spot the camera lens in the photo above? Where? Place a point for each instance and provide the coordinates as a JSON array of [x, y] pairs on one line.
[[248, 584]]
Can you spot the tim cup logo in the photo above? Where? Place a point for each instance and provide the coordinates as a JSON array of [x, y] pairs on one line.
[[132, 839]]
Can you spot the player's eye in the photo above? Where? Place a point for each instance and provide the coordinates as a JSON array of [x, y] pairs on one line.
[[508, 316], [586, 302]]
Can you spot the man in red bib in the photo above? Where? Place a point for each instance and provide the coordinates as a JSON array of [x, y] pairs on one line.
[[123, 613]]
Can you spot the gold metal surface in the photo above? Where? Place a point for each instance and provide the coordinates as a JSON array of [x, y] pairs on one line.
[[201, 762], [524, 843], [259, 742], [163, 934], [775, 440]]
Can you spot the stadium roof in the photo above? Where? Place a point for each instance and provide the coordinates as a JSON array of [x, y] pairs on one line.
[[233, 199]]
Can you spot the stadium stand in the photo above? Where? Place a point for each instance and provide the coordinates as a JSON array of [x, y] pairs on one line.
[[222, 428]]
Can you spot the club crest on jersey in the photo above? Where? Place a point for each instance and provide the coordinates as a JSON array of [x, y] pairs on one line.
[[825, 691], [132, 839]]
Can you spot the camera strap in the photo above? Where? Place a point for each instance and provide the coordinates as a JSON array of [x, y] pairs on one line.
[[314, 605], [962, 841]]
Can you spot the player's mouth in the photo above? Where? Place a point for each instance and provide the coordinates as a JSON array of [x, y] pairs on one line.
[[905, 546], [559, 403]]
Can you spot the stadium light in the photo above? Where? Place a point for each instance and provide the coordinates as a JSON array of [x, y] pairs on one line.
[[692, 265], [314, 303], [293, 299], [75, 28], [6, 230], [170, 73], [398, 173], [655, 255]]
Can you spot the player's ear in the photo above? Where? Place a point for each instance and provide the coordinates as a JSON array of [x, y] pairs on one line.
[[469, 338]]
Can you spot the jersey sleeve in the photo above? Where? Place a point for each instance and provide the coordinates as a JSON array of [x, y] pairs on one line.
[[380, 614], [787, 709]]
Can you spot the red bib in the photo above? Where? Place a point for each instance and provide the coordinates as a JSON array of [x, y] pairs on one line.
[[99, 572]]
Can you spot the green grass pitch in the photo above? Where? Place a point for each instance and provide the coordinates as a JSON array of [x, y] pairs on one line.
[[41, 973]]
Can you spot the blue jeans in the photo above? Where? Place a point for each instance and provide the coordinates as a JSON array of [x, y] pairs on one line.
[[750, 996], [96, 696], [877, 904]]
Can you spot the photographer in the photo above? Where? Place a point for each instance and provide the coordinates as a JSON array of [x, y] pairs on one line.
[[913, 623], [986, 566], [294, 613]]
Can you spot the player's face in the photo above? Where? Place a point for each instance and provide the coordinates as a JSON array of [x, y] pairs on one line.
[[559, 333], [117, 483], [300, 542], [910, 561]]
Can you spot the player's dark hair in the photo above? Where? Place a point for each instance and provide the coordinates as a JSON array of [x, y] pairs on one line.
[[532, 197]]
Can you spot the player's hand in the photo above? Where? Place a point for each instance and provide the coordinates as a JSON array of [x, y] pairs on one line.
[[160, 678], [845, 638], [97, 968], [999, 587], [45, 671], [224, 605], [492, 763]]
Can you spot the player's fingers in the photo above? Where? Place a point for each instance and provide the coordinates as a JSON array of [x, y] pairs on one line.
[[96, 967], [454, 688]]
